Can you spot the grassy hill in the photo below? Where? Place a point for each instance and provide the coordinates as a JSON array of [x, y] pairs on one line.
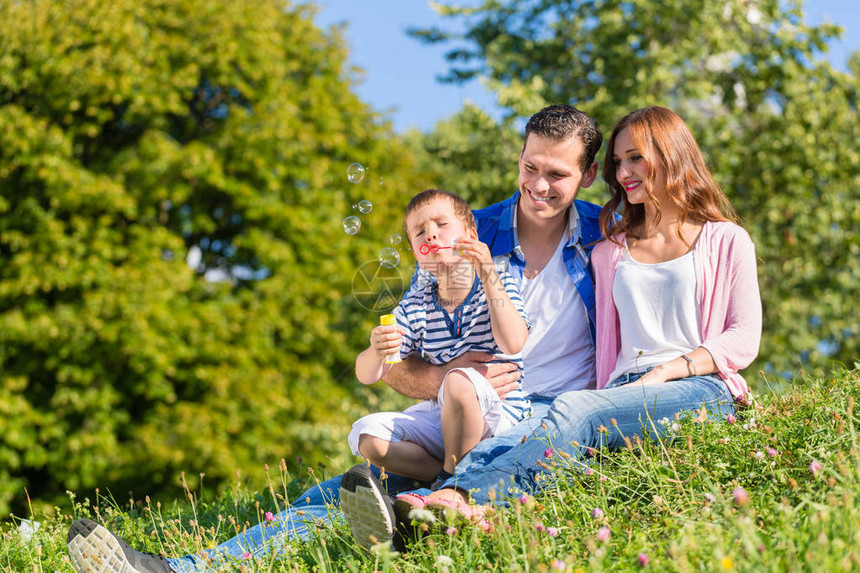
[[777, 489]]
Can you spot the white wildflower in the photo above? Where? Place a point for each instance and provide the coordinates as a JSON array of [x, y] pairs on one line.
[[422, 515]]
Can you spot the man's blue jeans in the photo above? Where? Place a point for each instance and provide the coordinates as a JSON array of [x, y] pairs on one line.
[[317, 506], [510, 459]]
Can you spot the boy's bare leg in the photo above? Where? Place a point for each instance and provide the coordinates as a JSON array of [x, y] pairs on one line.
[[462, 420], [402, 458]]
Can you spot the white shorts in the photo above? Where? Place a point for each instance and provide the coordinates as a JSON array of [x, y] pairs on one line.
[[422, 423]]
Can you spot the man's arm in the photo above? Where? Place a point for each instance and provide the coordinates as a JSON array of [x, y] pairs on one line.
[[417, 378]]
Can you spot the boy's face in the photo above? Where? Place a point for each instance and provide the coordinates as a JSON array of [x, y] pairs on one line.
[[436, 224]]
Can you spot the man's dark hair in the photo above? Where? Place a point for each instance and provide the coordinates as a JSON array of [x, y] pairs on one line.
[[561, 122]]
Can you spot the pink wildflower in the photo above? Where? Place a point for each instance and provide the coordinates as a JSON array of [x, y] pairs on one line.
[[524, 498], [772, 452], [559, 564], [597, 513], [547, 453], [589, 471], [643, 559], [270, 516], [814, 467], [246, 555], [603, 534], [551, 531], [731, 419], [604, 478], [740, 496], [451, 531], [540, 526]]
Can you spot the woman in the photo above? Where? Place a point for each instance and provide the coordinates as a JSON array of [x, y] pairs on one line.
[[677, 305], [677, 293]]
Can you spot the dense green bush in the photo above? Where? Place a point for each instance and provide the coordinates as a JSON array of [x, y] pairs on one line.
[[139, 139]]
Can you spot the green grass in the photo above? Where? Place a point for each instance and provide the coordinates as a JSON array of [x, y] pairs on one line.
[[720, 497]]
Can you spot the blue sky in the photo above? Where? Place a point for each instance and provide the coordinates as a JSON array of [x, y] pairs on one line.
[[400, 72]]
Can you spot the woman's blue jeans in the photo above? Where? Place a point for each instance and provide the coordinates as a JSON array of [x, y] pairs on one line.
[[507, 462], [579, 418]]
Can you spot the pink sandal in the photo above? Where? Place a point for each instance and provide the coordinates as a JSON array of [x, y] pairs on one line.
[[410, 501]]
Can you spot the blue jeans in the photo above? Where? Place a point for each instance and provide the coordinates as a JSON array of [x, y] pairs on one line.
[[577, 417]]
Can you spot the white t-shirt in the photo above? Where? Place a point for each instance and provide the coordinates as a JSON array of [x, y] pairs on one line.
[[657, 310], [559, 353]]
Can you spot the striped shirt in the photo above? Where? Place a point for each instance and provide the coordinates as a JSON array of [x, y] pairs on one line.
[[440, 336]]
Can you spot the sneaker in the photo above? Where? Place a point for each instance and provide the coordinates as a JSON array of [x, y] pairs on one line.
[[94, 549], [368, 510]]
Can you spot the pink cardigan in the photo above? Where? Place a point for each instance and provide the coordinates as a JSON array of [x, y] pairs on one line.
[[728, 295]]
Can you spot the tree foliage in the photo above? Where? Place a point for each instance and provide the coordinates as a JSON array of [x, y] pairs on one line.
[[778, 123], [175, 280], [469, 154]]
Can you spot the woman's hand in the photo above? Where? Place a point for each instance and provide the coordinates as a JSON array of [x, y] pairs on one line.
[[699, 362], [651, 377]]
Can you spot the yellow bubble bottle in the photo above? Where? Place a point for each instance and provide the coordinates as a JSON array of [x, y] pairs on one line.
[[389, 320]]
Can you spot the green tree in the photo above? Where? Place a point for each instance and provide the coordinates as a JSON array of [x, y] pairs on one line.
[[779, 124], [175, 293], [470, 154]]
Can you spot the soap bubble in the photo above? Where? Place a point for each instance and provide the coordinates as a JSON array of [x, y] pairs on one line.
[[394, 239], [389, 258], [364, 206], [351, 225], [355, 173]]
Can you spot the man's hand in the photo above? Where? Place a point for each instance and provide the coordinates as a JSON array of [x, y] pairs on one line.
[[502, 376]]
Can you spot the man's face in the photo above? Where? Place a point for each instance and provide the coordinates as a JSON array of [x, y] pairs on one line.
[[550, 176]]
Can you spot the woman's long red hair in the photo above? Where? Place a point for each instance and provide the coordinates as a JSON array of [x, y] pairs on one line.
[[663, 139]]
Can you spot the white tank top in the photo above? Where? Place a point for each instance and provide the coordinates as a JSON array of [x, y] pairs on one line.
[[657, 310]]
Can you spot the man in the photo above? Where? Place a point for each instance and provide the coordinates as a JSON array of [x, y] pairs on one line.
[[543, 236]]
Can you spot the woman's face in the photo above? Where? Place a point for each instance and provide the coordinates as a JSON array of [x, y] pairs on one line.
[[631, 171]]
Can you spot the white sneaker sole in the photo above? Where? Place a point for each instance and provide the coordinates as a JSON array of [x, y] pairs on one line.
[[367, 514], [99, 552]]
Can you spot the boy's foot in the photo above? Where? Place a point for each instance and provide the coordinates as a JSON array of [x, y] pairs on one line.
[[94, 549], [367, 508]]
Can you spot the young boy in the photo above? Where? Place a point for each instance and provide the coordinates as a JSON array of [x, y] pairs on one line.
[[467, 305]]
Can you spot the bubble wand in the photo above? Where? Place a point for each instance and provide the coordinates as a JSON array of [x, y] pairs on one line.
[[425, 249]]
